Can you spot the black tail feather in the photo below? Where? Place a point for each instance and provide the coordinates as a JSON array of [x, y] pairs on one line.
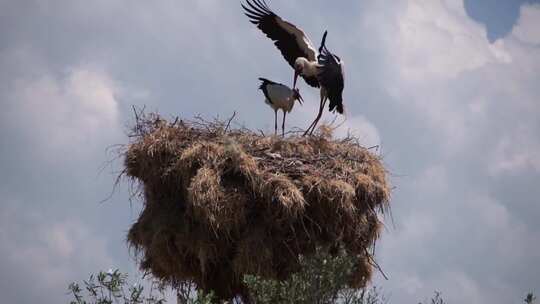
[[340, 108], [323, 42], [266, 81], [336, 103]]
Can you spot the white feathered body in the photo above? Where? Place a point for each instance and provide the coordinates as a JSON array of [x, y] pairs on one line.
[[279, 97]]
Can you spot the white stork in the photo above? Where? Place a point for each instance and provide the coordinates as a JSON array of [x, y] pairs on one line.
[[279, 97], [319, 69]]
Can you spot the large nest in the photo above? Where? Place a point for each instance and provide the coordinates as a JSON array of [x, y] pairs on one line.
[[221, 203]]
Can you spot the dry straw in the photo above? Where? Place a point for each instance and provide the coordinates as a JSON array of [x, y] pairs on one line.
[[222, 203]]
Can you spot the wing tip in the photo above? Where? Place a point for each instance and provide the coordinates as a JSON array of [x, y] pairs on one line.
[[262, 4], [265, 80], [340, 108]]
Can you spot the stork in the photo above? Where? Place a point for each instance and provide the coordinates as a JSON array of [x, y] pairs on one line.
[[320, 69], [279, 97]]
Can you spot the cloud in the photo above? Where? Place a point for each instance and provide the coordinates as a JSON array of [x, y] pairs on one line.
[[473, 103], [517, 152], [443, 46], [361, 128], [528, 27], [74, 107], [431, 50], [63, 113], [42, 255], [54, 126], [457, 117]]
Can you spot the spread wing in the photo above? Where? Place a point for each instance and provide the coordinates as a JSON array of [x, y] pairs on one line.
[[291, 41]]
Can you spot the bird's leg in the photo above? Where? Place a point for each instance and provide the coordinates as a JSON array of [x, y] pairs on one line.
[[283, 125], [309, 128], [314, 123], [320, 109], [311, 125], [275, 122], [323, 103]]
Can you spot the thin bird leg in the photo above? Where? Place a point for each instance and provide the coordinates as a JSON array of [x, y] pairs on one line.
[[275, 122], [309, 128], [320, 109], [313, 124], [318, 116], [283, 125]]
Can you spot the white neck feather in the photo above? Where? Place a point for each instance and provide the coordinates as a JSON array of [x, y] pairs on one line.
[[309, 68]]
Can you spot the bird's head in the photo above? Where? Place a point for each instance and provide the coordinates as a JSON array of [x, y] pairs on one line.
[[299, 64], [297, 96]]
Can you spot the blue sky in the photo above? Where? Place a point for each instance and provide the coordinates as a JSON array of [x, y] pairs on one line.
[[448, 88], [498, 16]]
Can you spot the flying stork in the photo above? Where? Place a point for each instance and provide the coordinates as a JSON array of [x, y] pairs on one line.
[[318, 68], [279, 97]]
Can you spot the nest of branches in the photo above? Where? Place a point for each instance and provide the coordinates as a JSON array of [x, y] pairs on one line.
[[220, 203]]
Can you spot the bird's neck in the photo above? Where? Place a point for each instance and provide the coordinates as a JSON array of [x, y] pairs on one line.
[[310, 68]]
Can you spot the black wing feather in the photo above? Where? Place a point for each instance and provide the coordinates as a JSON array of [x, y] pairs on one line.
[[264, 87], [269, 23], [331, 77]]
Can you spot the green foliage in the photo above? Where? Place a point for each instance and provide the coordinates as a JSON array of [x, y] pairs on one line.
[[530, 298], [323, 279], [187, 293], [113, 287], [437, 299]]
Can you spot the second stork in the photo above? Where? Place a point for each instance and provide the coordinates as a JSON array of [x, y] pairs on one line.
[[279, 97]]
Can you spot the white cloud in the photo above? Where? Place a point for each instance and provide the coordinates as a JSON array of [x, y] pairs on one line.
[[46, 254], [481, 103], [434, 180], [435, 39], [472, 104], [465, 246], [516, 152], [445, 69], [458, 285], [432, 44], [65, 114], [528, 27], [361, 128]]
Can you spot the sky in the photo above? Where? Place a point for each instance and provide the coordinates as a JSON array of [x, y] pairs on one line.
[[448, 88]]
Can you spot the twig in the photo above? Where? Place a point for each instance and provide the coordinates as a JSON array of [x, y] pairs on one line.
[[135, 112], [229, 122], [374, 263], [340, 124], [333, 121]]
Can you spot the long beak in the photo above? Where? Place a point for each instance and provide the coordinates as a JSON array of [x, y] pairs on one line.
[[295, 79]]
